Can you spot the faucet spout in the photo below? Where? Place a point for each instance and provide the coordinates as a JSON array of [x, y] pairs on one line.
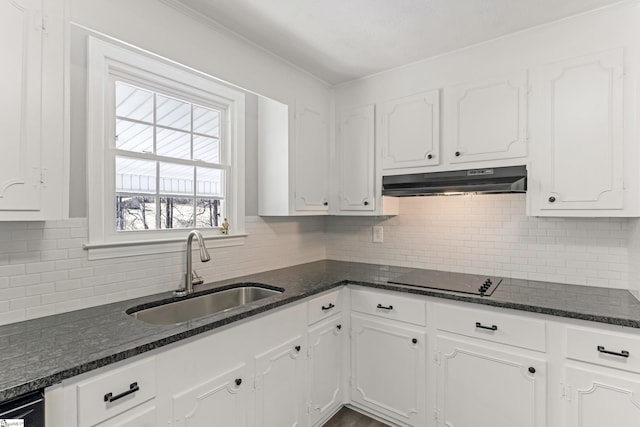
[[204, 257]]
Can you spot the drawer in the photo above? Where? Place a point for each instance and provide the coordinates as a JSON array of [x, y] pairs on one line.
[[621, 351], [389, 306], [115, 392], [324, 306], [492, 326]]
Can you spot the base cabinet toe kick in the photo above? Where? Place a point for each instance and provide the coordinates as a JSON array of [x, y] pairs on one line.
[[408, 360]]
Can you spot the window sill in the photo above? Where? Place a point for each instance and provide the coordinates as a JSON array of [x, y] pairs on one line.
[[98, 251]]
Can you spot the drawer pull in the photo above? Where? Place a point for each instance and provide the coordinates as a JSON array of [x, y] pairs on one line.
[[109, 397], [328, 307], [491, 328], [622, 353], [238, 381], [339, 327], [380, 306], [297, 348]]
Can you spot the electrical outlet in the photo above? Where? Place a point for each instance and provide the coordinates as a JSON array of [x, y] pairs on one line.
[[378, 234]]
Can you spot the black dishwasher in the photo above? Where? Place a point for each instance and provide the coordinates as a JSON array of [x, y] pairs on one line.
[[29, 407]]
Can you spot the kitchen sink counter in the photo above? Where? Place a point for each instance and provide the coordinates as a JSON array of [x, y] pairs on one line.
[[41, 352]]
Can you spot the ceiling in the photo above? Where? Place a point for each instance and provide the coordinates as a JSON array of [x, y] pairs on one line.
[[341, 40]]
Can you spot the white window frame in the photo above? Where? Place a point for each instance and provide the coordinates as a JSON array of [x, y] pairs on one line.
[[106, 61]]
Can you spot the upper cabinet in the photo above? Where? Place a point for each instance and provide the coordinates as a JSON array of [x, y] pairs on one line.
[[293, 173], [578, 165], [311, 160], [410, 131], [487, 120], [34, 153], [356, 150]]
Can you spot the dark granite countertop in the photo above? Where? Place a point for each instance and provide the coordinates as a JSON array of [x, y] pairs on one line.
[[41, 352]]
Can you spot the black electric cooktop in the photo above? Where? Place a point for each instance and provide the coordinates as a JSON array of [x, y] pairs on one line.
[[474, 284]]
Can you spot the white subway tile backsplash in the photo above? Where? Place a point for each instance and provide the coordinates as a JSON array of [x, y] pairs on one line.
[[44, 269], [493, 235]]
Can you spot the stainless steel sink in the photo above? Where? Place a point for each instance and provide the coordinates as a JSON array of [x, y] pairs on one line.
[[202, 305]]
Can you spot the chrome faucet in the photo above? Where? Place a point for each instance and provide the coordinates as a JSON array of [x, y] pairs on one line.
[[204, 257]]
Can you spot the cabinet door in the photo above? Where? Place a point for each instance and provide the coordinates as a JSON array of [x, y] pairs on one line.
[[20, 103], [578, 163], [311, 160], [355, 159], [482, 387], [325, 368], [219, 401], [487, 120], [388, 369], [411, 131], [280, 394], [597, 397]]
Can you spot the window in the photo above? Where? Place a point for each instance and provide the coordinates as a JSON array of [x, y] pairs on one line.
[[166, 152]]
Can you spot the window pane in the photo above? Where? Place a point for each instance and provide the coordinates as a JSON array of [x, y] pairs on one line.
[[173, 113], [210, 182], [134, 103], [206, 149], [176, 212], [135, 175], [206, 121], [176, 179], [132, 136], [209, 213], [135, 212], [173, 144]]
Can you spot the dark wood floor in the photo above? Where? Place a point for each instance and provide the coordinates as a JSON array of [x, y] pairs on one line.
[[349, 418]]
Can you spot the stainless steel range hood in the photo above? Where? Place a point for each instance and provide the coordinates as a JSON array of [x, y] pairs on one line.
[[512, 179]]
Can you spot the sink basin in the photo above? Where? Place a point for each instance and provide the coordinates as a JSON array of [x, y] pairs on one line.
[[199, 305]]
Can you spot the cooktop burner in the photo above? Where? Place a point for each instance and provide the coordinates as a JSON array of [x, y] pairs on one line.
[[452, 282]]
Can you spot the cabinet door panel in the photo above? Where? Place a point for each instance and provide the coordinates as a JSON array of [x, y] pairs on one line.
[[597, 398], [325, 368], [220, 401], [483, 387], [280, 397], [388, 369], [487, 120], [311, 160], [355, 150], [20, 103], [411, 131], [578, 133]]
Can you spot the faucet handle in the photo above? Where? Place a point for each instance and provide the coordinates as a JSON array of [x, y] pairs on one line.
[[197, 279]]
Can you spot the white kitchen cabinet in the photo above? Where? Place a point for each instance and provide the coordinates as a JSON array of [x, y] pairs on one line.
[[311, 160], [223, 398], [578, 165], [293, 161], [482, 386], [410, 131], [280, 386], [34, 152], [487, 120], [388, 369], [325, 368], [355, 152], [598, 397]]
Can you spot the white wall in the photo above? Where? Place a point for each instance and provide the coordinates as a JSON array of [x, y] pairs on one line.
[[489, 234]]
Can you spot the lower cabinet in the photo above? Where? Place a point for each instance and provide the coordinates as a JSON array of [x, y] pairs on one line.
[[472, 366], [325, 369], [480, 386], [599, 397], [388, 369], [223, 398], [279, 385]]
